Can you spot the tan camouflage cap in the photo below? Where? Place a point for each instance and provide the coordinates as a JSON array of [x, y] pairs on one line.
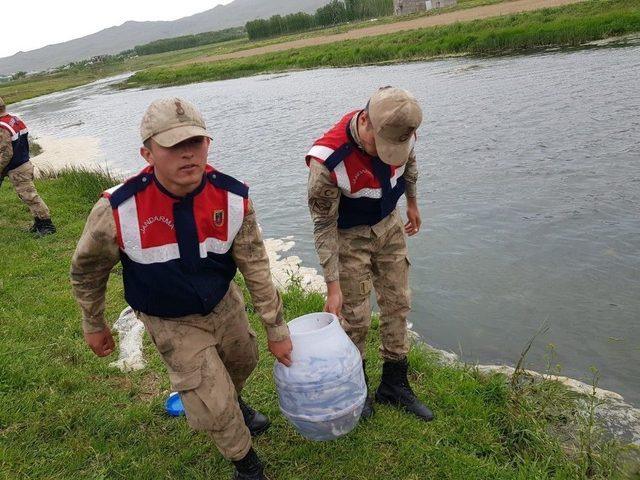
[[170, 121], [395, 115]]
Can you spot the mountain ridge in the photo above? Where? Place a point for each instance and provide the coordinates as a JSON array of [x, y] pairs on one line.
[[117, 38]]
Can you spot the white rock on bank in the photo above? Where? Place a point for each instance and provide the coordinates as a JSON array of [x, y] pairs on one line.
[[571, 383], [617, 417], [130, 330], [285, 270]]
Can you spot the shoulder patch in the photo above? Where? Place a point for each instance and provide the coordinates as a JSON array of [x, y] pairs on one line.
[[228, 183], [129, 188]]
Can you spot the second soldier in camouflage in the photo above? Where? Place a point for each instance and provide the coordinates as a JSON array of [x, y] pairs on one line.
[[358, 170]]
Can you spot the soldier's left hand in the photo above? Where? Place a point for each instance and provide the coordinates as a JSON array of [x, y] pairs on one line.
[[413, 215], [282, 350]]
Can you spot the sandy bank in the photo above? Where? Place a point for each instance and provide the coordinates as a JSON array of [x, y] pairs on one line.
[[60, 153]]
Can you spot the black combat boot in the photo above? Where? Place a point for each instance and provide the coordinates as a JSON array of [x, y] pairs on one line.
[[249, 468], [256, 422], [43, 227], [394, 390], [367, 410]]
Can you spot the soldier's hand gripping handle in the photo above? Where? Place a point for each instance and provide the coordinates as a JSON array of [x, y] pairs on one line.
[[101, 343], [282, 350]]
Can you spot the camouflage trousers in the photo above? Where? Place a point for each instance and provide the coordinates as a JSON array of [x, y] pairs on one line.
[[209, 358], [366, 261], [22, 180]]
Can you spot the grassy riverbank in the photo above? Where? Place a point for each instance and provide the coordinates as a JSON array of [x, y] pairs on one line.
[[565, 26], [66, 414], [519, 34]]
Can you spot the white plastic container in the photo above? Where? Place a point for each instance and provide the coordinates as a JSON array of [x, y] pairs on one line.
[[323, 392]]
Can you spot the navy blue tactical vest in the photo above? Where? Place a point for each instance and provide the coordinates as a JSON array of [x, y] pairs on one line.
[[176, 252]]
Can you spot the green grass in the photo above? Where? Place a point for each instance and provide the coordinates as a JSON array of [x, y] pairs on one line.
[[65, 414], [34, 148], [566, 26]]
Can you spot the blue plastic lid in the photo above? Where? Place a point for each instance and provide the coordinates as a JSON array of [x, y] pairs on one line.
[[173, 405]]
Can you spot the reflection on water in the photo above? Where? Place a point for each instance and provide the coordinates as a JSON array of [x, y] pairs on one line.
[[529, 188]]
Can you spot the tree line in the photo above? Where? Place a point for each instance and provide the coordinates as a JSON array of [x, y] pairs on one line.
[[188, 41], [335, 12]]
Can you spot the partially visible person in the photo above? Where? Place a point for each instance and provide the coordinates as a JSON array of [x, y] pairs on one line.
[[15, 164]]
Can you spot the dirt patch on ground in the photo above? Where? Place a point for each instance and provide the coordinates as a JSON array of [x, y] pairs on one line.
[[149, 387], [487, 11], [143, 388]]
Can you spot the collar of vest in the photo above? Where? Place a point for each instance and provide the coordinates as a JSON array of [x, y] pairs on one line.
[[350, 136], [332, 156], [346, 148], [192, 194], [121, 193]]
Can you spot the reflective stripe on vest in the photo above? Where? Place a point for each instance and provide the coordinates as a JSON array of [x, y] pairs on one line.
[[342, 177], [130, 233], [369, 188]]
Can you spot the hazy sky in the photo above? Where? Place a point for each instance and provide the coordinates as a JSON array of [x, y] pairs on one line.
[[42, 22]]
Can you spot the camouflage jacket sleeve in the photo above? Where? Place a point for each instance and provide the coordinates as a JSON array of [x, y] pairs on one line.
[[96, 254], [6, 149], [410, 175], [252, 260], [324, 199]]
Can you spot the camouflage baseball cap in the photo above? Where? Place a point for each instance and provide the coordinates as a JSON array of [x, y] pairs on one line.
[[395, 115], [170, 121]]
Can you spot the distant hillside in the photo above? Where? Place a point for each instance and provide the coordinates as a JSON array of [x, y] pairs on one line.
[[129, 34]]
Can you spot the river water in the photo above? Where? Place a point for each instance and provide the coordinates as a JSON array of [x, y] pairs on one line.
[[529, 189]]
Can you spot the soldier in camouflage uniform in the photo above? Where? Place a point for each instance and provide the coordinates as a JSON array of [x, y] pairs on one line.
[[15, 164], [357, 172], [181, 229]]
